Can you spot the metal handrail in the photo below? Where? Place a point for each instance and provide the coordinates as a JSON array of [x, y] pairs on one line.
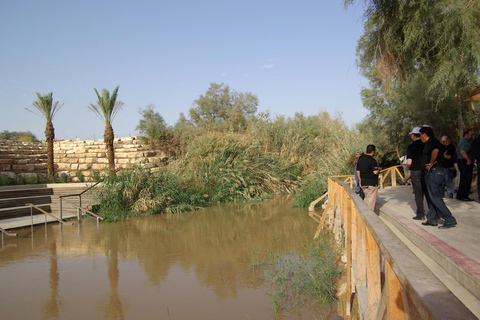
[[5, 232], [79, 195], [31, 205], [85, 210]]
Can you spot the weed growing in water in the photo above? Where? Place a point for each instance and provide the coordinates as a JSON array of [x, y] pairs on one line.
[[299, 278]]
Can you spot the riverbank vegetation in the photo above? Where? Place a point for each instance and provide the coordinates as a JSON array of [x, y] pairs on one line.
[[302, 277], [422, 60], [243, 157]]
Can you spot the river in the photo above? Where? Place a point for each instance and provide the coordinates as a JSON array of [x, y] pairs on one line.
[[194, 265]]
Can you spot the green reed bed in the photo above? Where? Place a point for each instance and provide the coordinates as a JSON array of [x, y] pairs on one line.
[[274, 156], [302, 277]]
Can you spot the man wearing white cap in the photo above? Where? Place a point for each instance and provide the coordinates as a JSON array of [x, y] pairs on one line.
[[414, 164]]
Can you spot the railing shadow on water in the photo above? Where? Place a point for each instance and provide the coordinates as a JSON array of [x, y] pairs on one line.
[[383, 277]]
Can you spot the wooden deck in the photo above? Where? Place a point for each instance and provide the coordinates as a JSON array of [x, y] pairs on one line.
[[396, 268]]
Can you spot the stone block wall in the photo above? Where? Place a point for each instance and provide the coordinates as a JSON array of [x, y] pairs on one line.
[[26, 158]]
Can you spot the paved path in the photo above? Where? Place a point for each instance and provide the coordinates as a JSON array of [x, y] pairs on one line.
[[456, 250]]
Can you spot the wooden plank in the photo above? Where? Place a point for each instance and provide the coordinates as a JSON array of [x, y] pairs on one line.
[[314, 203], [396, 310], [394, 177], [349, 256], [361, 254], [362, 299], [399, 173], [354, 243], [382, 305], [373, 274], [324, 215]]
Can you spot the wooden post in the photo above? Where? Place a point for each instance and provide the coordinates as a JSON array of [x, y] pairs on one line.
[[394, 176], [349, 255], [396, 303], [361, 253], [373, 274], [354, 242]]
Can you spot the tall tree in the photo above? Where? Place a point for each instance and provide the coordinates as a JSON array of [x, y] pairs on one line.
[[418, 55], [48, 109], [106, 109], [152, 125], [222, 108]]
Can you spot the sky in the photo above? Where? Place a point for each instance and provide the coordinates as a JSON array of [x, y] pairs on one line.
[[296, 56]]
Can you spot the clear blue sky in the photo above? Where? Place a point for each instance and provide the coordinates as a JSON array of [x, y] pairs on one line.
[[296, 56]]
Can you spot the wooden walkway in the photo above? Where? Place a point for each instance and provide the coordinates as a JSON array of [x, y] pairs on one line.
[[397, 268], [452, 254]]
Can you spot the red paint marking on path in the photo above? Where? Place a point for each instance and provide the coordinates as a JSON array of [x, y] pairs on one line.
[[459, 258]]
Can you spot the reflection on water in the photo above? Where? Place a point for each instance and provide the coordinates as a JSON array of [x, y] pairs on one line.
[[172, 266]]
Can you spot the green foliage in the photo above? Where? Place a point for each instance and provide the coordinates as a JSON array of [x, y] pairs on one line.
[[437, 37], [418, 55], [224, 109], [64, 177], [34, 179], [140, 192], [21, 179], [46, 107], [152, 126], [96, 176], [25, 136], [313, 188], [107, 105], [80, 176], [274, 156], [299, 277]]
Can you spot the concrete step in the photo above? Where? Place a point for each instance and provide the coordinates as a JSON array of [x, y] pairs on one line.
[[455, 250], [16, 193]]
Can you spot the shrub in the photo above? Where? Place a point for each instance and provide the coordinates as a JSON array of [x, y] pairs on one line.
[[80, 176], [96, 176], [64, 177]]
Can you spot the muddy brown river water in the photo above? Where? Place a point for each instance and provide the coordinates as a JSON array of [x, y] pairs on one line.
[[194, 265]]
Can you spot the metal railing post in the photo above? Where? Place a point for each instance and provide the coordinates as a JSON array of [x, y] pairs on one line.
[[61, 211], [79, 206]]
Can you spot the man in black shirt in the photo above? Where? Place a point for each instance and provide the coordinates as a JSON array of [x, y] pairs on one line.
[[432, 160], [414, 164], [476, 152], [448, 165], [367, 173]]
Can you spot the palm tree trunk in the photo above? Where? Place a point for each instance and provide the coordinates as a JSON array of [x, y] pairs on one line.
[[50, 136], [108, 137]]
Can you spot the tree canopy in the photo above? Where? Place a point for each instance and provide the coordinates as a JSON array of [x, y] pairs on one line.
[[17, 135], [152, 126], [223, 108], [419, 56]]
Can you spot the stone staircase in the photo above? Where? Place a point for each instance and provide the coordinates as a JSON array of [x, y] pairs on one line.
[[45, 196]]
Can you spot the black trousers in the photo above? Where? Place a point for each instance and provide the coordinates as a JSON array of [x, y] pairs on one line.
[[419, 189], [466, 174]]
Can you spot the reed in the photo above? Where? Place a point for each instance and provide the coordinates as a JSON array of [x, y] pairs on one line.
[[273, 156], [296, 278]]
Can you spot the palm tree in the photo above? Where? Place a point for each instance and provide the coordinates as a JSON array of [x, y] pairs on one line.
[[48, 109], [106, 109]]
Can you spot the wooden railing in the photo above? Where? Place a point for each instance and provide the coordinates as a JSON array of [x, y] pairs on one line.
[[382, 177], [387, 279]]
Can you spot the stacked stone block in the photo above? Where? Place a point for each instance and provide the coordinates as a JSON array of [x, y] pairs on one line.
[[76, 156], [23, 157]]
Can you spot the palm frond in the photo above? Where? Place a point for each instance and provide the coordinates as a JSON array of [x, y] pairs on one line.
[[107, 105], [45, 106]]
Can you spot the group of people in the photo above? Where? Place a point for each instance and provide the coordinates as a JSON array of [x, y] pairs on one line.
[[430, 164]]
